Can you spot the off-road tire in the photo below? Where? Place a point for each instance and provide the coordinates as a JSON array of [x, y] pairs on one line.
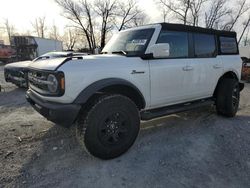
[[106, 115], [228, 97]]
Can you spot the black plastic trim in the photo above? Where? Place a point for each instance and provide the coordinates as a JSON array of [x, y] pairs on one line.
[[191, 50], [163, 111], [99, 85], [61, 114], [188, 28], [66, 60], [18, 72], [242, 86]]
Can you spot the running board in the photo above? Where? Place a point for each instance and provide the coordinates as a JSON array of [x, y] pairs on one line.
[[155, 113]]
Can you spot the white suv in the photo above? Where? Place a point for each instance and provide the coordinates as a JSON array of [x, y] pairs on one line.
[[142, 73]]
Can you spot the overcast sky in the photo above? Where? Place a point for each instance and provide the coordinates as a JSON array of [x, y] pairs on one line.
[[22, 12]]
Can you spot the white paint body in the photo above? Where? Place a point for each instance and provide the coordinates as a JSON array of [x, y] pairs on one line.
[[165, 81], [245, 51]]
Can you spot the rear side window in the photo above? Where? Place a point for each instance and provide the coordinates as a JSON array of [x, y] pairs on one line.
[[228, 45], [178, 43], [204, 45]]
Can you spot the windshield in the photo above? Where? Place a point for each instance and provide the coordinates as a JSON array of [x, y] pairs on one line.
[[131, 42]]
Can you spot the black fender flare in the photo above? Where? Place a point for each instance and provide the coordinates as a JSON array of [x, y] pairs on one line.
[[229, 74], [89, 91]]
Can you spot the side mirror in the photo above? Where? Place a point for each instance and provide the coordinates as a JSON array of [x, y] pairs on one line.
[[160, 50]]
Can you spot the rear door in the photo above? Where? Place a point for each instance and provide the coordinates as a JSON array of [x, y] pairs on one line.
[[205, 66]]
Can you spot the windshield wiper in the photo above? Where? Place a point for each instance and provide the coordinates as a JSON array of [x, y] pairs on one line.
[[120, 52]]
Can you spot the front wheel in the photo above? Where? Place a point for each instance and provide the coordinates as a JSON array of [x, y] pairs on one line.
[[109, 127], [228, 97]]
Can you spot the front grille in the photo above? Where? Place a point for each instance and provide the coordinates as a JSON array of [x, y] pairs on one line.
[[15, 73], [37, 81]]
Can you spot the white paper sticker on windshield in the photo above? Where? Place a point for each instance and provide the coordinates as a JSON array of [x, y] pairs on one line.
[[139, 41]]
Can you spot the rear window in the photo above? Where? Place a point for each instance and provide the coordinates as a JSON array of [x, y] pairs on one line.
[[228, 45], [205, 46]]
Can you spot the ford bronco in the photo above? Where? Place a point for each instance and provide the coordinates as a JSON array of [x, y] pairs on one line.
[[143, 73]]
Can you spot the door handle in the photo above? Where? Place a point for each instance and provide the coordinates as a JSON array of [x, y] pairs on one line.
[[217, 66], [188, 68], [137, 72]]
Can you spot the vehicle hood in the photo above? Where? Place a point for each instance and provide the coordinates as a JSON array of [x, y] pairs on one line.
[[48, 64], [20, 64], [54, 64]]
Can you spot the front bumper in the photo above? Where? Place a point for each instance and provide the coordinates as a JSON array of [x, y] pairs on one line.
[[61, 114], [17, 77]]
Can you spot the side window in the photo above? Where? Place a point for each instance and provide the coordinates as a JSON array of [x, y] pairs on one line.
[[178, 43], [228, 45], [204, 45]]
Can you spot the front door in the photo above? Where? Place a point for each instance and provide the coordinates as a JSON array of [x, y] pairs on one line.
[[168, 76]]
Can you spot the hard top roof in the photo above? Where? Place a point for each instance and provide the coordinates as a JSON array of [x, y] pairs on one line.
[[181, 27]]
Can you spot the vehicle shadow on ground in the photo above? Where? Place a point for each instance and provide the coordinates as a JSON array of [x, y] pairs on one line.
[[195, 148], [13, 97]]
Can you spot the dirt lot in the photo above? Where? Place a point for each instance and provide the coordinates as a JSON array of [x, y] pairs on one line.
[[194, 149]]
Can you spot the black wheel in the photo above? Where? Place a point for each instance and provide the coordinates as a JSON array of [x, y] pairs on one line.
[[228, 97], [110, 126]]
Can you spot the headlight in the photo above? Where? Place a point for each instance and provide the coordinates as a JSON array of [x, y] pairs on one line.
[[52, 83], [47, 83]]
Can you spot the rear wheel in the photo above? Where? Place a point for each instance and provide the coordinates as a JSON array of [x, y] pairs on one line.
[[109, 127], [228, 97]]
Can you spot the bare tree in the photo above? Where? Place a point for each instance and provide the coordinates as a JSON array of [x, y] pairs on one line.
[[164, 13], [127, 13], [141, 19], [70, 39], [100, 17], [240, 8], [246, 38], [106, 10], [163, 10], [80, 14], [36, 27], [217, 11], [9, 29], [39, 26], [2, 31], [196, 6], [246, 25], [180, 8], [54, 34], [90, 21]]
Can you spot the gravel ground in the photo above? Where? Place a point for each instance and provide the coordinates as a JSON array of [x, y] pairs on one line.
[[194, 149]]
